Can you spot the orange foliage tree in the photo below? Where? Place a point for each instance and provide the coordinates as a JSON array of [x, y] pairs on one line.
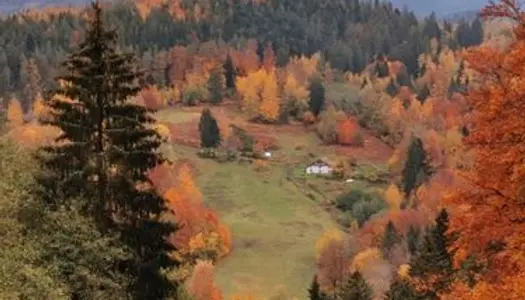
[[490, 214], [332, 261], [349, 132], [15, 114], [201, 235], [201, 284]]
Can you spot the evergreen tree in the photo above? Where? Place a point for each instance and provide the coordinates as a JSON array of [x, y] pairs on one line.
[[315, 292], [229, 73], [317, 95], [356, 288], [390, 238], [33, 81], [433, 258], [403, 79], [381, 69], [477, 32], [391, 88], [5, 81], [110, 147], [402, 289], [416, 170], [413, 237], [216, 86], [209, 130], [423, 94]]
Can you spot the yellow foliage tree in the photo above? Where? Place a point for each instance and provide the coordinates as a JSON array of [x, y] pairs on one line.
[[250, 88], [394, 197], [365, 258], [327, 237], [402, 270], [163, 130], [270, 102], [295, 94], [39, 109], [15, 114]]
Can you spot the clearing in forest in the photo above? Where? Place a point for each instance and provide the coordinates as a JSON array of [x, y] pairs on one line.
[[275, 215]]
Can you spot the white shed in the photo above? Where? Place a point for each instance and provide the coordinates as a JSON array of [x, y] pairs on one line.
[[320, 167]]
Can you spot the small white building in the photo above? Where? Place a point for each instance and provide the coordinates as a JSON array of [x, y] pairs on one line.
[[319, 167]]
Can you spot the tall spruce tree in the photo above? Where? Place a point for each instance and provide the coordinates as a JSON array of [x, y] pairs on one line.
[[314, 292], [356, 288], [106, 148], [423, 94], [390, 238], [413, 237], [215, 86], [402, 289], [317, 95], [416, 169], [433, 259], [392, 88], [229, 73], [209, 130]]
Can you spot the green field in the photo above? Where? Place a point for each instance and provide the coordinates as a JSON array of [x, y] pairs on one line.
[[274, 225]]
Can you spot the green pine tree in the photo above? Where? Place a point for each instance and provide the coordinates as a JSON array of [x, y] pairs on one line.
[[314, 292], [413, 237], [392, 88], [216, 86], [390, 238], [317, 95], [209, 130], [356, 288], [110, 147], [229, 73], [416, 170], [433, 257], [423, 94], [401, 289]]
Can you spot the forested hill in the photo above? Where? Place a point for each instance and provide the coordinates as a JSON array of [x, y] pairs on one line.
[[349, 34]]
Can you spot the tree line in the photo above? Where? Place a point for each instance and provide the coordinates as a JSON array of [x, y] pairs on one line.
[[349, 34]]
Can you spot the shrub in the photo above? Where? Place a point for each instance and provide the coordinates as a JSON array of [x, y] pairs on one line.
[[360, 203]]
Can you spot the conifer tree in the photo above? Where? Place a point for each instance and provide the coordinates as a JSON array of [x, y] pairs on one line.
[[229, 73], [413, 236], [433, 259], [416, 170], [317, 95], [356, 288], [423, 94], [402, 289], [106, 147], [314, 292], [32, 88], [209, 130], [216, 86], [392, 88], [390, 238]]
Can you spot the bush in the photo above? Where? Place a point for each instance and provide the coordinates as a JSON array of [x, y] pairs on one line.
[[360, 203], [362, 211], [192, 97]]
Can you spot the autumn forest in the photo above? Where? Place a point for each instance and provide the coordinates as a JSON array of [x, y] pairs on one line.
[[261, 150]]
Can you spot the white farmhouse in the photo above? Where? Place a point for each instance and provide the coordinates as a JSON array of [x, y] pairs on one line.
[[319, 167]]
